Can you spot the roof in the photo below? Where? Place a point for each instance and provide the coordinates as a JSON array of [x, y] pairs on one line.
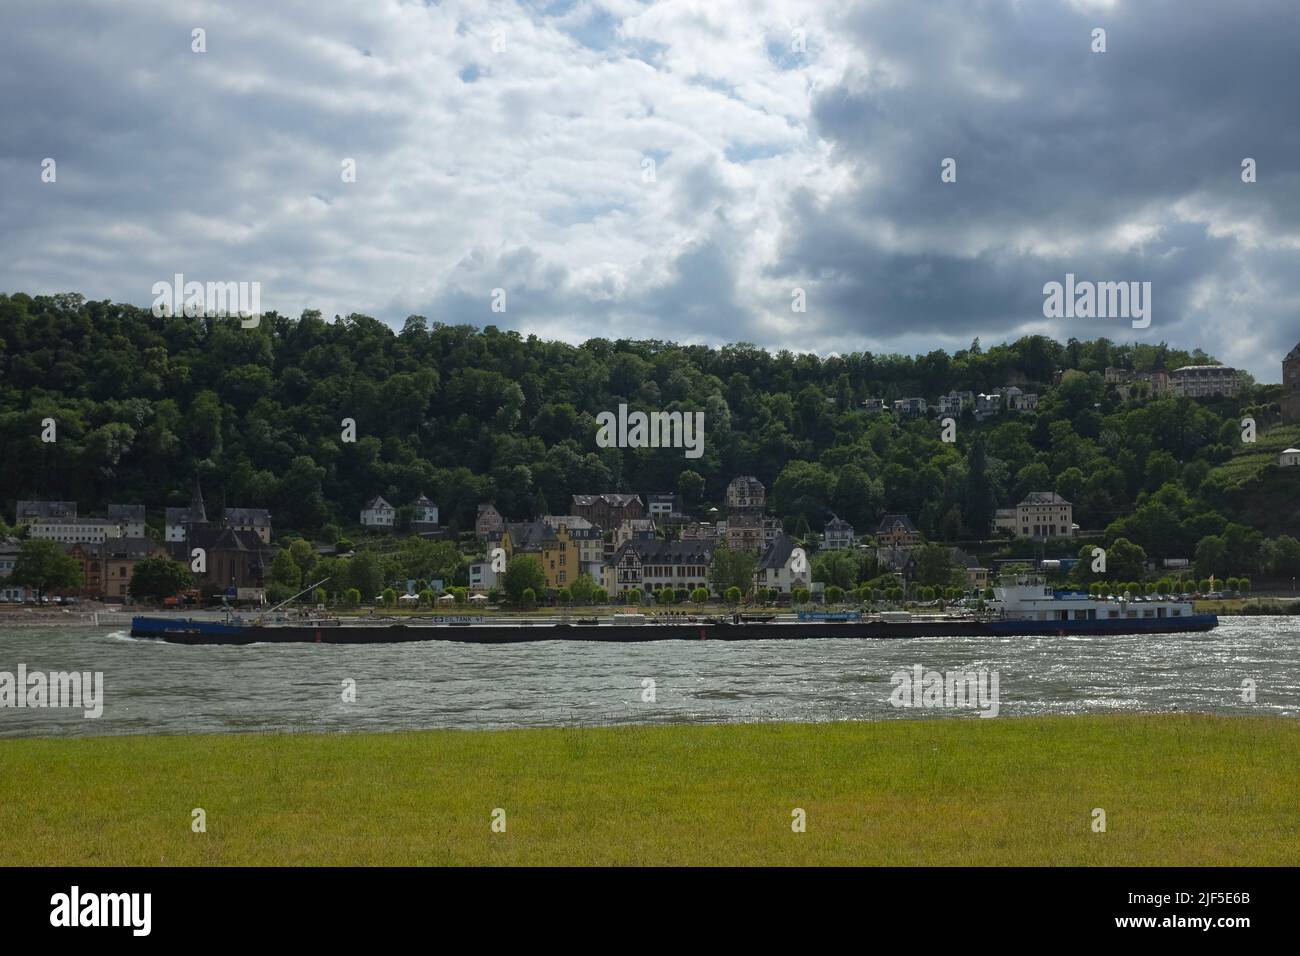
[[572, 522], [422, 500], [218, 539], [776, 554], [177, 515], [747, 485], [892, 523], [529, 535], [258, 516], [614, 499], [60, 520], [377, 503], [838, 524], [1293, 354], [1291, 451], [1043, 498], [126, 512], [1205, 368], [129, 548], [46, 509], [656, 551]]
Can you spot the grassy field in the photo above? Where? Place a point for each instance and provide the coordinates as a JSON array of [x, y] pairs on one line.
[[1184, 790]]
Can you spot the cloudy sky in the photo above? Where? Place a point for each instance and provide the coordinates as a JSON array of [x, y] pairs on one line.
[[672, 170]]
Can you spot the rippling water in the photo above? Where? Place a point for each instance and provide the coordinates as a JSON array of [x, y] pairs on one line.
[[152, 687]]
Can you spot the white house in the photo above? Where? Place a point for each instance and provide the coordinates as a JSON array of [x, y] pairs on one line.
[[839, 535], [75, 530], [910, 407], [1289, 458], [130, 517], [378, 514], [776, 567], [425, 513], [482, 577], [986, 406], [10, 592], [650, 564]]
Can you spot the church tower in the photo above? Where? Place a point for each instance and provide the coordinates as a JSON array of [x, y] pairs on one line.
[[198, 515], [1291, 386]]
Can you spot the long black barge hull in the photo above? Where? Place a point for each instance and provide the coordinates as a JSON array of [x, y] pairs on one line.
[[639, 633]]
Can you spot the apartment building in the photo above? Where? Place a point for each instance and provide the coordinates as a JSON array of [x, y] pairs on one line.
[[651, 565]]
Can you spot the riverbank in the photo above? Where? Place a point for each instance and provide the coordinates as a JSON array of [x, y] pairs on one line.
[[115, 616], [1184, 790]]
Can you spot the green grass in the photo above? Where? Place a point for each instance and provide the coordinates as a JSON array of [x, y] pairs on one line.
[[1177, 790], [1248, 460]]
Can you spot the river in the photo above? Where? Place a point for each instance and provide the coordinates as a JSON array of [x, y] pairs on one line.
[[156, 688]]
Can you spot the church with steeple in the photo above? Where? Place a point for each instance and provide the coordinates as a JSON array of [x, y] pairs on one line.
[[235, 558]]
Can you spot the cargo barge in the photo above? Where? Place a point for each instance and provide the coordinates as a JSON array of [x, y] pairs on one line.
[[1024, 606]]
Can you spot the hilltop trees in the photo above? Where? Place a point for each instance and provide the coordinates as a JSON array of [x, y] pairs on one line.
[[467, 415]]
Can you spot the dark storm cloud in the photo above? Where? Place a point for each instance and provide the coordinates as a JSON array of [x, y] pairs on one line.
[[1055, 144], [777, 169]]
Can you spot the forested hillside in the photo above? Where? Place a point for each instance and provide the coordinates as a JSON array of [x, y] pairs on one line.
[[464, 415]]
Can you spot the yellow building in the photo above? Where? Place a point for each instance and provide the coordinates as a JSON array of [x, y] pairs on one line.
[[554, 548]]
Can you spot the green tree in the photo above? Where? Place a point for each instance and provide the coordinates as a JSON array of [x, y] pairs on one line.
[[733, 595], [732, 569], [365, 573], [523, 573], [285, 571], [43, 566], [699, 595], [1125, 560], [583, 589], [155, 579], [980, 501], [690, 485], [933, 564]]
